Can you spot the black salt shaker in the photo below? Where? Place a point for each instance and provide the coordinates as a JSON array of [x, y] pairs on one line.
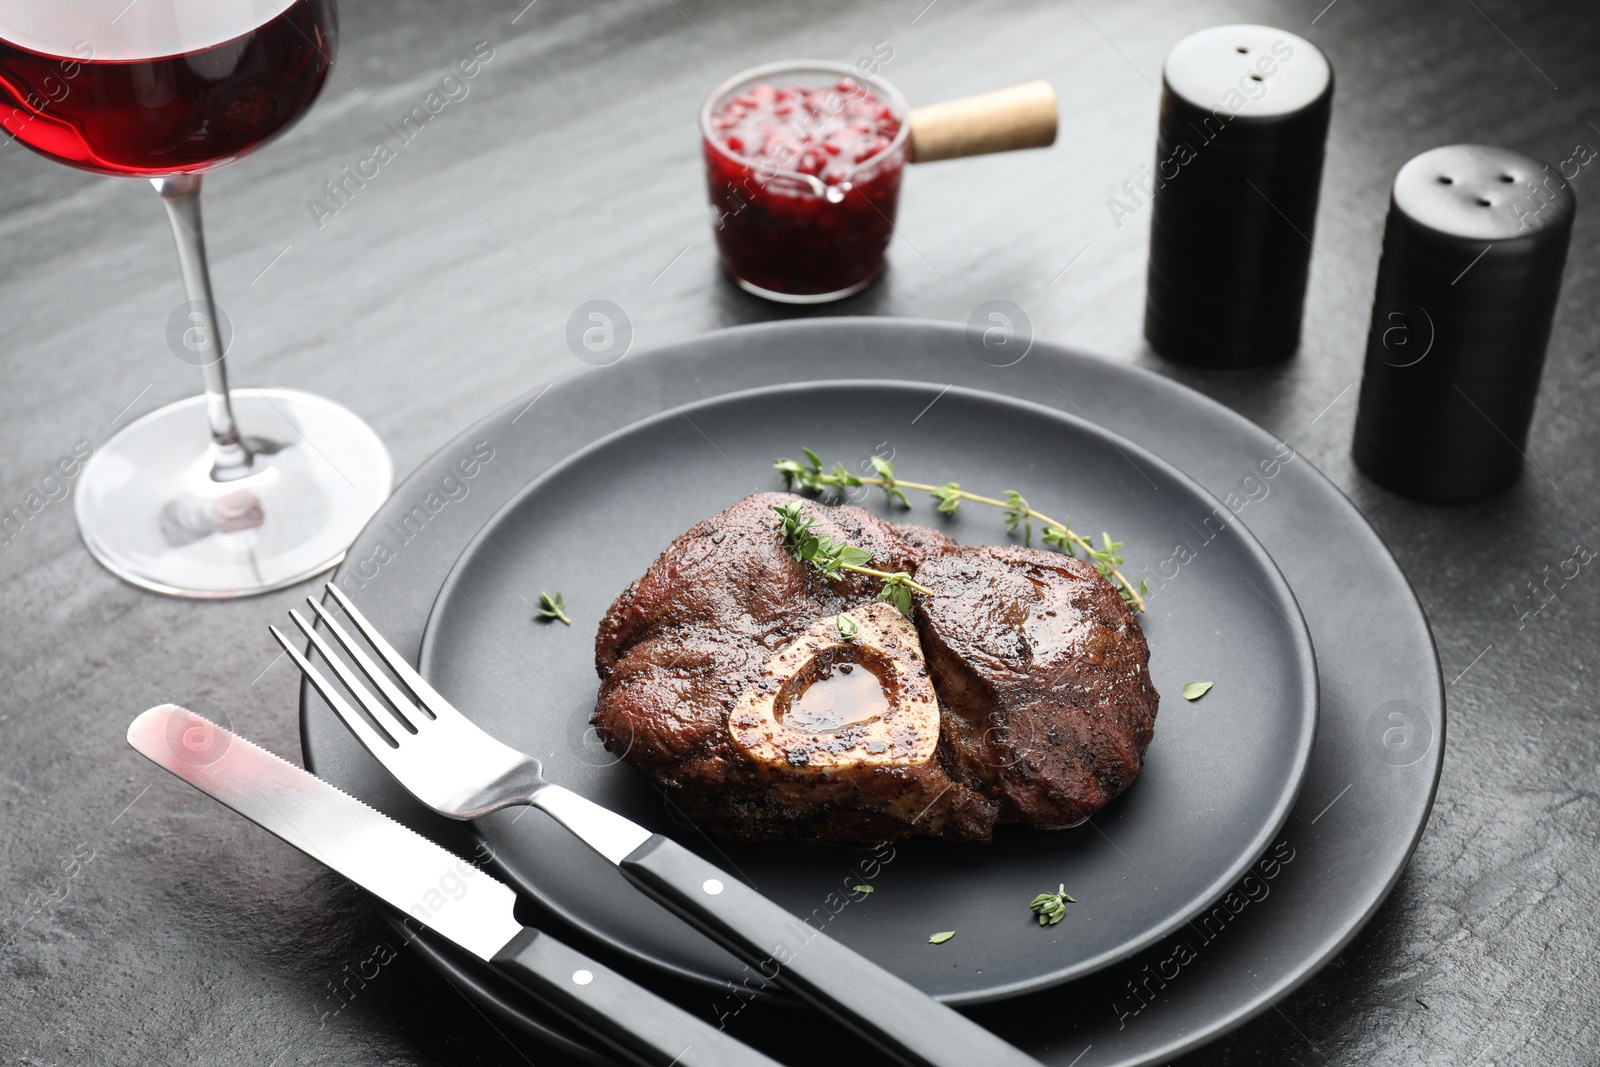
[[1473, 253], [1244, 118]]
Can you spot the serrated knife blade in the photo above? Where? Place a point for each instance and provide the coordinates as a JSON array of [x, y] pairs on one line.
[[430, 884]]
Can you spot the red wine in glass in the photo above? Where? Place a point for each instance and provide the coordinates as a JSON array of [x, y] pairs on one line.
[[169, 102], [167, 90]]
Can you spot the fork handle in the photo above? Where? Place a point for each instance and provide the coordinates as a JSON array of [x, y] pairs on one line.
[[626, 1016], [898, 1017]]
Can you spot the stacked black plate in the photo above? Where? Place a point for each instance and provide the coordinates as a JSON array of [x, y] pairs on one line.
[[1251, 848]]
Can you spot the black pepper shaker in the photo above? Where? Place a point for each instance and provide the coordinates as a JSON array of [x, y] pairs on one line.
[[1473, 253], [1244, 118]]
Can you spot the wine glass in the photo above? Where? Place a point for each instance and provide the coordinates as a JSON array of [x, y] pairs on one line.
[[167, 90]]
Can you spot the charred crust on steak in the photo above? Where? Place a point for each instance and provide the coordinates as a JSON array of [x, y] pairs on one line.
[[925, 542]]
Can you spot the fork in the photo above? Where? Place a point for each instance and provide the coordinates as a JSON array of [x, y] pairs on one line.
[[461, 772]]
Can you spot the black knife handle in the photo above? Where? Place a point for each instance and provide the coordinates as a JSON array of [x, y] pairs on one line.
[[626, 1016], [887, 1010]]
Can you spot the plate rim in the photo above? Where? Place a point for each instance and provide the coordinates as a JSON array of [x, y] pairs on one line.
[[1299, 630]]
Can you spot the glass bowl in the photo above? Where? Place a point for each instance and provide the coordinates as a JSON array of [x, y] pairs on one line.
[[793, 236]]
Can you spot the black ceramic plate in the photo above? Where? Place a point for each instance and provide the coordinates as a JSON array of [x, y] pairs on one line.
[[1373, 769], [1218, 780]]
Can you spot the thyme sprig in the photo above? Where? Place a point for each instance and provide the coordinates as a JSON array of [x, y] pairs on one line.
[[830, 556], [1051, 907], [553, 606], [1019, 514]]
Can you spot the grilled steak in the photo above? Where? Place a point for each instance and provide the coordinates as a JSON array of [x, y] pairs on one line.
[[1043, 676], [683, 643], [726, 676]]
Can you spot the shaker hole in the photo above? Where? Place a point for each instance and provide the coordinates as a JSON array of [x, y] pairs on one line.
[[1255, 77], [1445, 180], [1484, 202], [1242, 50], [1507, 178]]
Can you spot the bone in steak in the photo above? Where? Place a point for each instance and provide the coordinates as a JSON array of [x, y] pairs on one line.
[[1018, 692]]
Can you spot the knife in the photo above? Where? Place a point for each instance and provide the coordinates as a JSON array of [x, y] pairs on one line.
[[432, 886]]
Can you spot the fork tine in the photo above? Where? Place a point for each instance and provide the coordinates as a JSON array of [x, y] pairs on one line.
[[381, 715], [378, 744], [426, 695], [400, 705]]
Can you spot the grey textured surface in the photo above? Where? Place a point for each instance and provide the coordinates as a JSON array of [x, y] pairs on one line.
[[571, 172]]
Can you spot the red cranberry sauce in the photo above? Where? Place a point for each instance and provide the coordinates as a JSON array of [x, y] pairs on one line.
[[787, 235]]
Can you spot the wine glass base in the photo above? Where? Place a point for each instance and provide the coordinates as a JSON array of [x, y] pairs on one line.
[[151, 512]]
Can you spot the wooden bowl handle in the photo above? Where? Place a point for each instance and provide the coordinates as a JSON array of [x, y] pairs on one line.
[[1023, 116]]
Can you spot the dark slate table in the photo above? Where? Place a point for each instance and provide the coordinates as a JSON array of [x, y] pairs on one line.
[[143, 924]]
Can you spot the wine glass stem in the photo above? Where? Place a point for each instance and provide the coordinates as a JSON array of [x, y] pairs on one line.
[[203, 337]]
